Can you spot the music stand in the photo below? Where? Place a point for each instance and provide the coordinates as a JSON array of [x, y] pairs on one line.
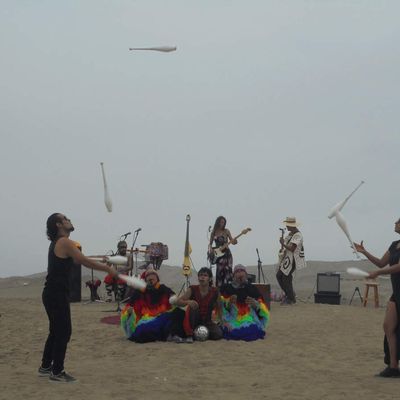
[[356, 290], [135, 236]]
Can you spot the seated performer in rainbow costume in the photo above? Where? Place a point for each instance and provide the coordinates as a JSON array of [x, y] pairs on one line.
[[147, 316], [244, 313]]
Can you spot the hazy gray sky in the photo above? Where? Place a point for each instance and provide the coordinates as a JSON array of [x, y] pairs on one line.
[[267, 109]]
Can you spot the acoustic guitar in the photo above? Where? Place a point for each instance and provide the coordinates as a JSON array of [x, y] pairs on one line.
[[217, 252]]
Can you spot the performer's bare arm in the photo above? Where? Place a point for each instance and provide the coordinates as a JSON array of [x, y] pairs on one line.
[[66, 248], [184, 300], [231, 239], [379, 262], [393, 269]]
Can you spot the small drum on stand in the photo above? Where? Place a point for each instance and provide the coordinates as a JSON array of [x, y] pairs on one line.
[[156, 253]]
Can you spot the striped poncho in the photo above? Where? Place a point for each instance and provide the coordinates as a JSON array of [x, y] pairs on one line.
[[242, 321], [150, 316]]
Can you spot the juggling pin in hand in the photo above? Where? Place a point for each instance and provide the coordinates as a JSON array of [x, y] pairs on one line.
[[107, 198], [357, 272], [164, 49], [117, 260], [132, 281]]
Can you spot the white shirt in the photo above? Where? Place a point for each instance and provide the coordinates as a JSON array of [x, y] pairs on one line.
[[297, 255]]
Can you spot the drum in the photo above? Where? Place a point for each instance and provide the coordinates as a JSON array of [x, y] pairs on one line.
[[157, 250], [156, 253]]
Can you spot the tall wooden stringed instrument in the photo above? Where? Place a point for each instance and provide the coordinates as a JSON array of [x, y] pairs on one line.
[[187, 264], [217, 252]]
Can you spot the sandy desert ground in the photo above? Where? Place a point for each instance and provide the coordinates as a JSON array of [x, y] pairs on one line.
[[312, 351]]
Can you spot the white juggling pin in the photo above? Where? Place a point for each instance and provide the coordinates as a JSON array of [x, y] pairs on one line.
[[132, 281], [164, 49], [340, 205], [335, 212], [107, 198]]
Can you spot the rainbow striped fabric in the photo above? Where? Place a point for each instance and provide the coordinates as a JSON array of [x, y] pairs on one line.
[[243, 322], [150, 316]]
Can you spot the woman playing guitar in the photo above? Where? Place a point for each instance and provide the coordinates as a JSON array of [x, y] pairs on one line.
[[221, 236]]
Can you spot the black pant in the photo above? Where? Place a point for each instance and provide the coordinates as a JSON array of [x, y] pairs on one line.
[[60, 329], [215, 332], [286, 284]]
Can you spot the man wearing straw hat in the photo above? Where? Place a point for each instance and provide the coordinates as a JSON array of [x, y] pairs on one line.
[[293, 258]]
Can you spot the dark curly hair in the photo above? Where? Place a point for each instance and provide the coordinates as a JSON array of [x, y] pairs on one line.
[[216, 224], [51, 226], [207, 271]]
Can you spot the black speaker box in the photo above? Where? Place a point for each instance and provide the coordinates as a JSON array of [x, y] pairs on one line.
[[328, 288], [328, 283], [75, 284], [327, 298]]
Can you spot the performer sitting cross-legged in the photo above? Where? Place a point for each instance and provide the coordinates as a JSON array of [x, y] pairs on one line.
[[116, 285], [244, 313], [201, 300], [147, 316]]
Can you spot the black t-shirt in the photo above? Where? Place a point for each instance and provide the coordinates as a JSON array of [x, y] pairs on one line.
[[394, 252], [58, 273]]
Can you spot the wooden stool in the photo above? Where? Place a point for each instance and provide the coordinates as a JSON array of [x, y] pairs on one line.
[[371, 284]]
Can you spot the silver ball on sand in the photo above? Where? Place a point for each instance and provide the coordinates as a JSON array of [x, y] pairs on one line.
[[201, 333]]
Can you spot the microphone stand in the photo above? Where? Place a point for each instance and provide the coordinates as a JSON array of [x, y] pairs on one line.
[[259, 268], [135, 236], [209, 265]]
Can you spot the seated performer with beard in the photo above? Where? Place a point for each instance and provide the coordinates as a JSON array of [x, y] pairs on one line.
[[201, 300], [117, 285], [148, 314], [244, 313]]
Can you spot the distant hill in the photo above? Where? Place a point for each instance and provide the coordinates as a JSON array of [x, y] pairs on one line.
[[30, 286]]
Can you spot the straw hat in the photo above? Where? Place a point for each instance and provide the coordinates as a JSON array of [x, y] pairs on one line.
[[291, 221]]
